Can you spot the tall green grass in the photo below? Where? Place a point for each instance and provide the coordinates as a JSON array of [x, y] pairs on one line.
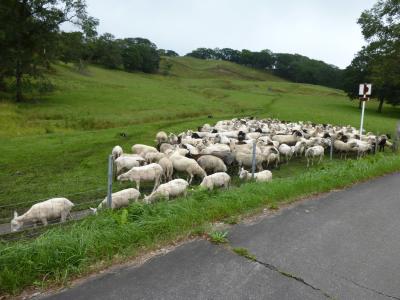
[[70, 250]]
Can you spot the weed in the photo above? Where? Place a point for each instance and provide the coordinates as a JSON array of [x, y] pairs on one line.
[[245, 253], [218, 237]]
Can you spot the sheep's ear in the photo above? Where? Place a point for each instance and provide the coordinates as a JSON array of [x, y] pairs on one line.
[[15, 214]]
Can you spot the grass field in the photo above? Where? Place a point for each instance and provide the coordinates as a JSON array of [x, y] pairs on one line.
[[58, 145]]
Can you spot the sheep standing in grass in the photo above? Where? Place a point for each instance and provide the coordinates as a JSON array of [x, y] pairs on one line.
[[152, 172], [117, 152], [174, 188], [263, 176], [220, 179], [168, 168], [311, 153], [343, 148], [211, 164], [161, 137], [153, 157], [119, 199], [142, 150], [286, 151], [188, 165], [44, 211], [127, 162]]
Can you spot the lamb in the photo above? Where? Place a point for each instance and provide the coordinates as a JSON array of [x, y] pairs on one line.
[[166, 146], [117, 152], [311, 153], [168, 168], [246, 159], [173, 188], [151, 172], [161, 137], [188, 165], [119, 199], [299, 148], [263, 176], [127, 162], [43, 211], [286, 151], [211, 164], [220, 179], [142, 150], [288, 139]]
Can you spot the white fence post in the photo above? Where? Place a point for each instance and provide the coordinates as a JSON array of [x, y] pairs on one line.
[[331, 149], [110, 179]]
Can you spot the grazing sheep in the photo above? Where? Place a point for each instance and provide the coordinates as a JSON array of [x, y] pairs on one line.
[[125, 163], [211, 164], [262, 176], [119, 199], [166, 146], [246, 159], [188, 165], [311, 153], [142, 150], [220, 179], [43, 211], [161, 137], [117, 152], [299, 148], [168, 168], [173, 188], [286, 151], [153, 157], [343, 147], [151, 172], [288, 139]]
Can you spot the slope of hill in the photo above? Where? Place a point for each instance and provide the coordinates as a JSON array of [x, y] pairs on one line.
[[59, 144]]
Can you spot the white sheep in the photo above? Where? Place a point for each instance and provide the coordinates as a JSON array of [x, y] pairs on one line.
[[220, 179], [168, 168], [126, 163], [211, 163], [343, 147], [151, 172], [174, 188], [166, 146], [153, 157], [262, 176], [161, 137], [142, 150], [286, 151], [246, 159], [119, 199], [188, 165], [311, 153], [117, 152], [43, 211]]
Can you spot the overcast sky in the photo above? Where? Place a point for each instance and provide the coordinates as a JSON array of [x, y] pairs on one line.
[[320, 29]]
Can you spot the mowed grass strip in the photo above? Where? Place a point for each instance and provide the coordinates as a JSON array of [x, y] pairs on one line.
[[72, 250]]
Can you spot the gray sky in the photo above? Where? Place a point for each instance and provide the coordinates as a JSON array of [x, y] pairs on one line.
[[320, 29]]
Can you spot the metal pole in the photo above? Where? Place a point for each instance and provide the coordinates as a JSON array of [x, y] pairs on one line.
[[253, 163], [362, 116], [110, 179], [331, 150], [376, 142]]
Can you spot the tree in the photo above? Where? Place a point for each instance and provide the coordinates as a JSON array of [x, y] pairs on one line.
[[107, 51], [139, 54], [380, 26], [29, 33], [171, 53]]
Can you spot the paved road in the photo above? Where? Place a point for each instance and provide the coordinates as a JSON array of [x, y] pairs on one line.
[[345, 245]]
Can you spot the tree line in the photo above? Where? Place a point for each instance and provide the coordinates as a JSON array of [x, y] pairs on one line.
[[31, 39], [293, 67]]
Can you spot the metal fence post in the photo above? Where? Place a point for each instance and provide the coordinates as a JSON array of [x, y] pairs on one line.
[[331, 149], [110, 179], [376, 142], [253, 162]]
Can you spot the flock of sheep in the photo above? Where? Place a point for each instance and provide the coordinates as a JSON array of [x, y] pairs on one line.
[[207, 154]]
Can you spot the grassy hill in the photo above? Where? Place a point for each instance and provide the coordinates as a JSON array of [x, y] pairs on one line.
[[59, 144]]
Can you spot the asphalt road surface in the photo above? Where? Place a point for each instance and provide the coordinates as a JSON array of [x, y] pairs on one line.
[[345, 245]]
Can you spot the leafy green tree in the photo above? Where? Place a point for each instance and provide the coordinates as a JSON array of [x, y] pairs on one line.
[[139, 54], [29, 33], [107, 51], [380, 26], [163, 52]]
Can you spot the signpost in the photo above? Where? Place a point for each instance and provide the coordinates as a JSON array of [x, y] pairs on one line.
[[365, 90]]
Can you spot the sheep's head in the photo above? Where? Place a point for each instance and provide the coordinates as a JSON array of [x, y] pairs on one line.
[[147, 199], [243, 173], [16, 223], [122, 177]]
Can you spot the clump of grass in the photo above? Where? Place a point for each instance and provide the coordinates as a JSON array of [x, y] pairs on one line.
[[218, 237], [232, 220], [273, 206], [245, 253]]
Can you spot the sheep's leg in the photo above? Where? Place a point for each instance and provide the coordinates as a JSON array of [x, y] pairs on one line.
[[138, 185], [191, 178], [321, 157], [44, 221], [63, 217], [308, 162]]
